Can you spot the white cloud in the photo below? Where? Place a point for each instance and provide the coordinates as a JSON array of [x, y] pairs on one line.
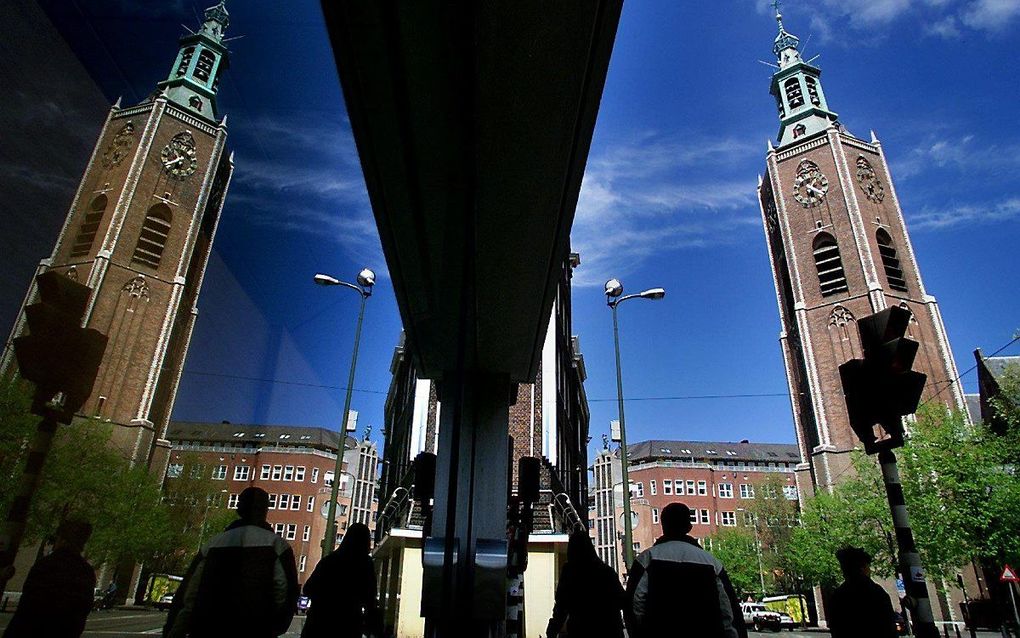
[[958, 153], [640, 199], [947, 27], [990, 15], [942, 218]]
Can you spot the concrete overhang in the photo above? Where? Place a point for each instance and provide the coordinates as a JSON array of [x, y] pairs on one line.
[[473, 121]]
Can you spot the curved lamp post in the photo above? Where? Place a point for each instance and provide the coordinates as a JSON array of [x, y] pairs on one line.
[[614, 297], [366, 279]]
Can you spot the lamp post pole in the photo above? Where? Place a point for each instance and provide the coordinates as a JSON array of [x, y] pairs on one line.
[[366, 279], [613, 299]]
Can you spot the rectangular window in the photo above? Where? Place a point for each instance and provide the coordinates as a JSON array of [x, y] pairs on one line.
[[305, 535], [726, 490], [311, 503], [327, 480], [705, 518], [690, 488], [315, 475], [729, 519], [790, 492], [265, 472], [219, 472], [655, 515], [277, 472], [174, 470], [299, 473], [702, 488], [284, 501], [232, 501], [639, 489], [679, 483], [694, 516], [288, 473], [302, 562], [667, 487], [651, 485], [295, 501], [241, 472], [746, 490], [197, 470], [280, 528], [291, 532], [272, 501]]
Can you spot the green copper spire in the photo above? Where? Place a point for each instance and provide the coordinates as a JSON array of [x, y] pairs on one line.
[[797, 87], [202, 59]]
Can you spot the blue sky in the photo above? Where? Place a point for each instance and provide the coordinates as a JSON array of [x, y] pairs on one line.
[[668, 199]]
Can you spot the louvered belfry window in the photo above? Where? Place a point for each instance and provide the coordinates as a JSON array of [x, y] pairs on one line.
[[831, 277], [893, 270], [89, 227], [152, 240]]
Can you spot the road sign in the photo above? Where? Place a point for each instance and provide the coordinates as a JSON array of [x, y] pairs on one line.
[[1009, 575]]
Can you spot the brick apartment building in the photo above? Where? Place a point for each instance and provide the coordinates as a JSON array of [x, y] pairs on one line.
[[715, 479], [295, 465]]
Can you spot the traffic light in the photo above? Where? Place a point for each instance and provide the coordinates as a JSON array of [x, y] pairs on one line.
[[57, 354], [882, 388]]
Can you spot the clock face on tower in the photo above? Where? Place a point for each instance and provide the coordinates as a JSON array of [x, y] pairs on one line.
[[810, 186], [178, 157], [868, 179]]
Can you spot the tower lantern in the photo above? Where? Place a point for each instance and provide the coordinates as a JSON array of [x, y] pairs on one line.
[[201, 61]]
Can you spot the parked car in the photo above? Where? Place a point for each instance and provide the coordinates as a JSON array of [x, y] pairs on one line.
[[786, 621], [165, 601], [757, 616]]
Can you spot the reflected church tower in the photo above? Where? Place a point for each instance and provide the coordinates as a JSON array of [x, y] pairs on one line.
[[839, 250], [139, 233]]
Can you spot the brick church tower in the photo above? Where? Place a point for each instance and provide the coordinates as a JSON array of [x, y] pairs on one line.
[[839, 250], [139, 233]]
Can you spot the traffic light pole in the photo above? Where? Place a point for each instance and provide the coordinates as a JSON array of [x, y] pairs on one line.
[[909, 560], [17, 515]]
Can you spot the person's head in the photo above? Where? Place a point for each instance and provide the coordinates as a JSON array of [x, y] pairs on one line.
[[855, 562], [580, 549], [676, 520], [73, 535], [357, 541], [253, 505]]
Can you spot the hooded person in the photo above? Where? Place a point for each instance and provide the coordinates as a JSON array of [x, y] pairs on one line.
[[675, 588], [859, 607], [342, 590], [242, 583], [589, 597]]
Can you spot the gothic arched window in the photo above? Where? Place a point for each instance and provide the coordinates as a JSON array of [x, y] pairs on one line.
[[203, 68], [186, 56], [829, 264], [893, 270], [812, 91], [89, 227], [840, 319], [152, 239], [794, 94]]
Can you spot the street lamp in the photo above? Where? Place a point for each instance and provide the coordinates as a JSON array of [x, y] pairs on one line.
[[614, 297], [366, 279]]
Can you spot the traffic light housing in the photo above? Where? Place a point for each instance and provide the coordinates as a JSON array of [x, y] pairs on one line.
[[881, 388], [58, 355]]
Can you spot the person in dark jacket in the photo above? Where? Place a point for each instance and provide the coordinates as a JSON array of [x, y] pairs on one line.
[[57, 595], [859, 607], [589, 597], [677, 589], [242, 583], [342, 590]]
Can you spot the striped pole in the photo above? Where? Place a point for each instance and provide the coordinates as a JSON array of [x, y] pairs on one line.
[[17, 516], [909, 559]]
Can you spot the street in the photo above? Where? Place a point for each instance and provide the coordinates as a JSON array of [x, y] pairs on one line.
[[123, 623]]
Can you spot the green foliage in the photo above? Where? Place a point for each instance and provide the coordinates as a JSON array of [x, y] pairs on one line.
[[16, 427], [737, 550]]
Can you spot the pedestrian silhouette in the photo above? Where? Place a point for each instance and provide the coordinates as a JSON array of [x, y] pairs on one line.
[[677, 589], [589, 597], [57, 595], [342, 590], [242, 583], [859, 607]]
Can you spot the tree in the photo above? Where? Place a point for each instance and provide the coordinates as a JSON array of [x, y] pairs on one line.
[[737, 550]]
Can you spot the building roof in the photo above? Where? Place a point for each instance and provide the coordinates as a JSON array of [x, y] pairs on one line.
[[715, 450], [282, 435], [997, 365]]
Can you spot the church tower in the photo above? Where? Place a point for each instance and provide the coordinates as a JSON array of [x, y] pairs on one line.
[[839, 250], [139, 232]]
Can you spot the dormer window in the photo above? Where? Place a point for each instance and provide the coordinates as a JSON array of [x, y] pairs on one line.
[[799, 130], [794, 94]]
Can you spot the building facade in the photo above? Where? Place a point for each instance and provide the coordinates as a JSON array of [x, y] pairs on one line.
[[548, 420], [717, 480], [839, 250], [139, 233], [295, 465]]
